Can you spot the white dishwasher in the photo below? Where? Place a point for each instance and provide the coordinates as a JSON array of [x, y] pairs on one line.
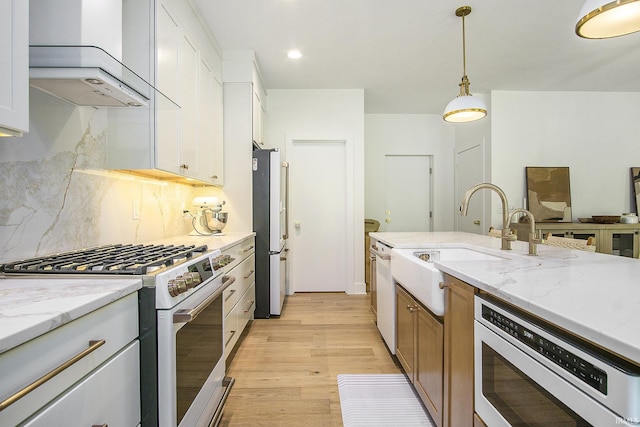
[[386, 295]]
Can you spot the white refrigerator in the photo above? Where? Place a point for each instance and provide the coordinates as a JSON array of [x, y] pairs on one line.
[[270, 221]]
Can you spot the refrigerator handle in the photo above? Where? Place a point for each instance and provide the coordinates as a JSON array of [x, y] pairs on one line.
[[285, 165]]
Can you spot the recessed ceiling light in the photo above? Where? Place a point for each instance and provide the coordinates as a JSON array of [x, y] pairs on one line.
[[294, 54]]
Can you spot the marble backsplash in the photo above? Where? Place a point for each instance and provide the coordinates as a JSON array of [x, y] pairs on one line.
[[57, 196]]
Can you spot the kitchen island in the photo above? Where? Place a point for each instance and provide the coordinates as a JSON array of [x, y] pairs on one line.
[[558, 329], [592, 295]]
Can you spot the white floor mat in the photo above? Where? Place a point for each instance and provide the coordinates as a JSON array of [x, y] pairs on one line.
[[380, 400]]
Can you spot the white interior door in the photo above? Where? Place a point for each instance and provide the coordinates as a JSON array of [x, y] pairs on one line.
[[318, 238], [469, 172], [408, 193]]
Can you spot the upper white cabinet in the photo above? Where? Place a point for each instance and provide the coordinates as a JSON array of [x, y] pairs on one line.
[[14, 67], [185, 65]]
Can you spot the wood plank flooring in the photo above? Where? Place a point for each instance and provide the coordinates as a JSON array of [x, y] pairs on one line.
[[285, 368]]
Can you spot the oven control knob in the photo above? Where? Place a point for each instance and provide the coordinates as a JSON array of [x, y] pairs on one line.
[[182, 285], [195, 276], [188, 280], [173, 288]]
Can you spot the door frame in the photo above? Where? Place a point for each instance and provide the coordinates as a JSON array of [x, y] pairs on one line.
[[351, 286]]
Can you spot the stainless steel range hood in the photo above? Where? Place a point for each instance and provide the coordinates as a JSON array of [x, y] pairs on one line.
[[86, 75]]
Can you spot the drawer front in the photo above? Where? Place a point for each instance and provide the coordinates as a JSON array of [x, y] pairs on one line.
[[108, 396], [239, 253], [231, 295], [246, 307], [245, 275], [231, 332], [116, 324]]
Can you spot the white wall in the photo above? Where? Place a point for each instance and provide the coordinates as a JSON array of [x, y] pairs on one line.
[[595, 134], [409, 134], [325, 114]]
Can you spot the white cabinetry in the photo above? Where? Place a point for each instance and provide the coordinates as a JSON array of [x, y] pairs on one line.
[[14, 67], [239, 298], [185, 141], [101, 385]]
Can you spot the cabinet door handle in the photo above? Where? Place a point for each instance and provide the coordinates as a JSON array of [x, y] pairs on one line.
[[248, 249], [100, 425], [184, 166], [442, 285], [411, 308], [93, 345], [249, 274]]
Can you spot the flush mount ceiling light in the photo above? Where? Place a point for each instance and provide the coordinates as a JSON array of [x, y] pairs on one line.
[[601, 19], [465, 107]]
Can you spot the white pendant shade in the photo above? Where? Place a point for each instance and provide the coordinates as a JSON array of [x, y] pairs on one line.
[[464, 108], [601, 19]]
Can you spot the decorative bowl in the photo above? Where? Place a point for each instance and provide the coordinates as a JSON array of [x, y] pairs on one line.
[[606, 219]]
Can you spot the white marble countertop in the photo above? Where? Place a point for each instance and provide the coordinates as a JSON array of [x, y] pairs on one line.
[[595, 296], [32, 307], [214, 241]]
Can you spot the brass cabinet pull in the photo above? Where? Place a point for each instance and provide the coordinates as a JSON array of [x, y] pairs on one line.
[[250, 305], [184, 166], [100, 425], [248, 249], [411, 308], [442, 285], [93, 345], [231, 292], [230, 338], [249, 274]]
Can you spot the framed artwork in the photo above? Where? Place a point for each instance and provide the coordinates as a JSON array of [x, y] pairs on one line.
[[549, 193], [635, 177]]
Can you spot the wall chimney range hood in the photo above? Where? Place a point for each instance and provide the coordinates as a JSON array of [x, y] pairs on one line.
[[76, 54]]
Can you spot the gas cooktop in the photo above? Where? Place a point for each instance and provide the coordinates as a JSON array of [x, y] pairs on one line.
[[108, 259]]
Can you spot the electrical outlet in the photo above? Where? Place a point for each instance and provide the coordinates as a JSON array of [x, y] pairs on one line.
[[136, 210]]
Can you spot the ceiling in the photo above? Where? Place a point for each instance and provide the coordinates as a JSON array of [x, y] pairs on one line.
[[407, 54]]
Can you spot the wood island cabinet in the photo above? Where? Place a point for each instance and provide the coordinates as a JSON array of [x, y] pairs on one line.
[[458, 353], [419, 348]]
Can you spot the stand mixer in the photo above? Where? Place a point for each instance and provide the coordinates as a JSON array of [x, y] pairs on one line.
[[209, 219]]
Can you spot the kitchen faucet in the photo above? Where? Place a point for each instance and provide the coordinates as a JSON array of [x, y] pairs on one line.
[[507, 236], [533, 238]]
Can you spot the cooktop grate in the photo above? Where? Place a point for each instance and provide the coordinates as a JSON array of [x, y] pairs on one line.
[[108, 259]]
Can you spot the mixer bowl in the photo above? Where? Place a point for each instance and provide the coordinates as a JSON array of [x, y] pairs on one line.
[[216, 221]]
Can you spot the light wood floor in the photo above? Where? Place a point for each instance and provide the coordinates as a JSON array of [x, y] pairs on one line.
[[285, 368]]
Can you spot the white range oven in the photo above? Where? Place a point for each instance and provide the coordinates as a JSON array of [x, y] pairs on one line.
[[530, 373], [181, 331]]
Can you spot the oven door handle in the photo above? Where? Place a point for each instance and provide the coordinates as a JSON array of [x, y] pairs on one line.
[[187, 315]]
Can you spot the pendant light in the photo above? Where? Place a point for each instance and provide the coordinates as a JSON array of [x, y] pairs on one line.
[[602, 19], [465, 107]]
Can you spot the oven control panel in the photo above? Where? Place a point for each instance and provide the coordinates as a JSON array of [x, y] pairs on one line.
[[570, 362]]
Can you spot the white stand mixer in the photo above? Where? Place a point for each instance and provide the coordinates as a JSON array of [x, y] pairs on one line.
[[208, 220]]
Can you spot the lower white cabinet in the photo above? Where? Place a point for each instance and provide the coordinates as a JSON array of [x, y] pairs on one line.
[[239, 298], [78, 351], [108, 396]]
